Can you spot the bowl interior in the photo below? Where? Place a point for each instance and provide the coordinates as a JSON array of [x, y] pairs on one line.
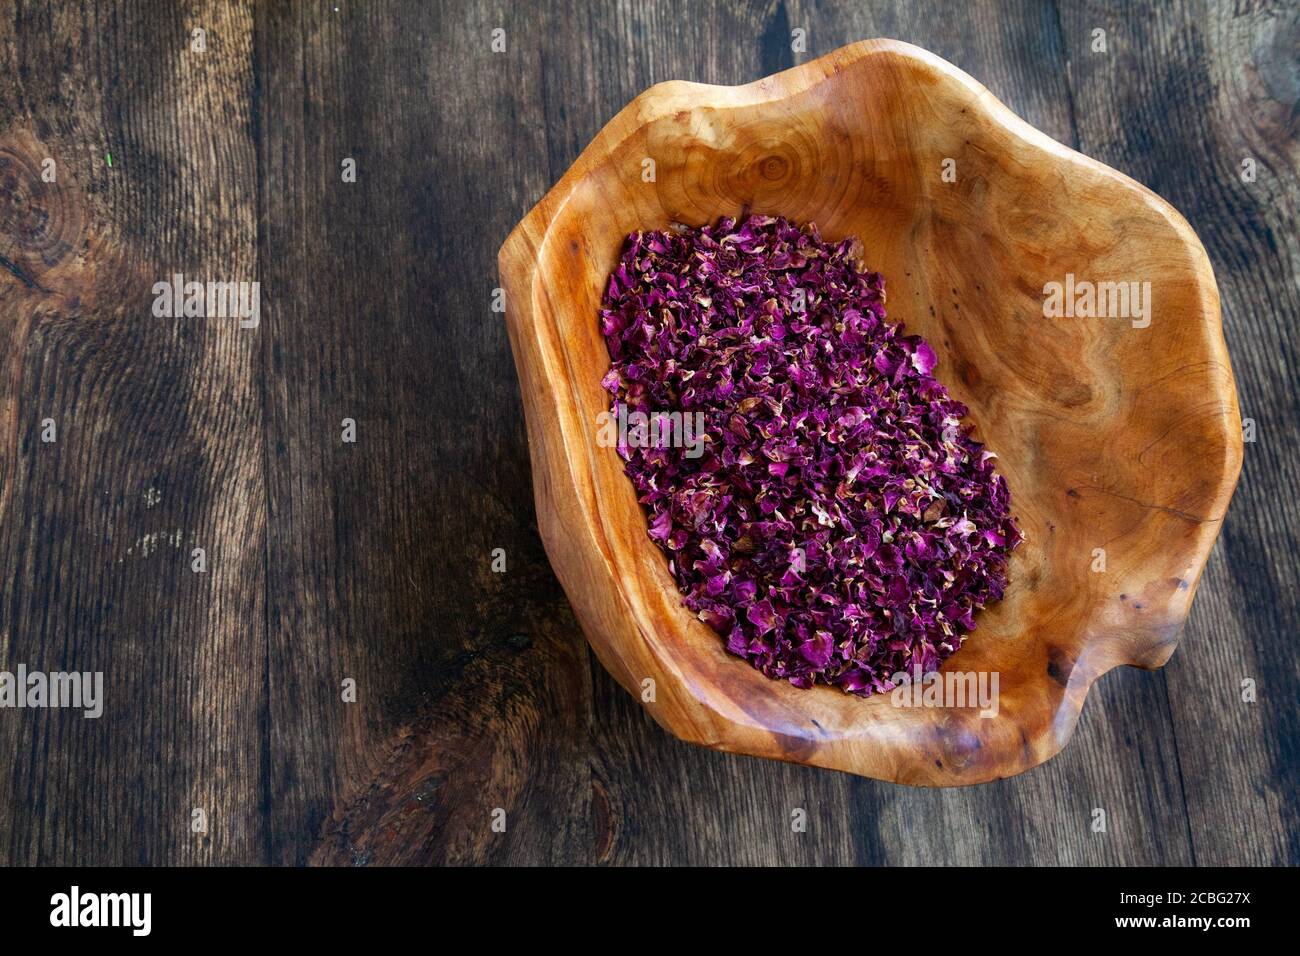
[[969, 214]]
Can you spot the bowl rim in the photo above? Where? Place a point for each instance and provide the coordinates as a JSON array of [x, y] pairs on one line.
[[526, 247]]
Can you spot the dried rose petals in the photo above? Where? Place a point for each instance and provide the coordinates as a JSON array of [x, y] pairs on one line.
[[840, 525]]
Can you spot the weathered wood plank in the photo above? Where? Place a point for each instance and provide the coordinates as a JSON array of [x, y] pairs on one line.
[[1105, 765], [159, 423], [471, 684], [1183, 96]]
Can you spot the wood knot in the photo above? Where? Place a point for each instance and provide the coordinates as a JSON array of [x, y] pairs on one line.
[[41, 218], [1073, 394], [774, 168], [1059, 666]]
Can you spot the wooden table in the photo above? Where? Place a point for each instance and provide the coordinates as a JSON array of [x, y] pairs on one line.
[[371, 561]]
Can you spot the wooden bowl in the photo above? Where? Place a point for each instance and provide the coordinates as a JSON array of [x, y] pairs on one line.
[[1120, 439]]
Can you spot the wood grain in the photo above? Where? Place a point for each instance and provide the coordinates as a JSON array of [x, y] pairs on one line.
[[158, 445], [231, 164]]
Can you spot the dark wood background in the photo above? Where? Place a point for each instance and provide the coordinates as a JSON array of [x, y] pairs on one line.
[[371, 560]]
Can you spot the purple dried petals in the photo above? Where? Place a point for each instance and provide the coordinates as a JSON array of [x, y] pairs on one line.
[[840, 526]]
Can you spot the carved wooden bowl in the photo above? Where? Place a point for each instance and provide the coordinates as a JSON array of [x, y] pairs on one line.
[[1120, 437]]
